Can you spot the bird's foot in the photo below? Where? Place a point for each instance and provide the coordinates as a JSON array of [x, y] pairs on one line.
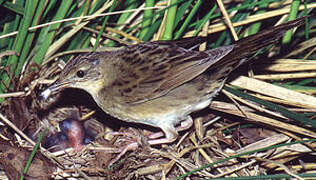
[[123, 150], [186, 124], [135, 139], [128, 142]]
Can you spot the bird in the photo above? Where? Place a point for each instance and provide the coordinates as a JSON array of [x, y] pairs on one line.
[[160, 83], [74, 131], [72, 134]]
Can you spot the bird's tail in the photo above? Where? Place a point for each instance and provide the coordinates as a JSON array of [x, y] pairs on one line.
[[245, 48]]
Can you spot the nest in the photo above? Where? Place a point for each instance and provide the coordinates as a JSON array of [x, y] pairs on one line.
[[237, 135]]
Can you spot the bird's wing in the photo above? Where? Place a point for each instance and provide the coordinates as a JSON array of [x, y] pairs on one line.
[[150, 70]]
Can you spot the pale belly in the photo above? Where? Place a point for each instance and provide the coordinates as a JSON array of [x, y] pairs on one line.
[[171, 108]]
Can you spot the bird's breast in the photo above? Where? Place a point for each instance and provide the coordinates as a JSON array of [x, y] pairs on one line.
[[170, 108]]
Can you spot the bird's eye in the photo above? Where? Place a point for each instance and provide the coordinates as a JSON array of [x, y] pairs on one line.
[[80, 74]]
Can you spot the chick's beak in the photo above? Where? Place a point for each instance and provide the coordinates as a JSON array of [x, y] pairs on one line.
[[53, 88]]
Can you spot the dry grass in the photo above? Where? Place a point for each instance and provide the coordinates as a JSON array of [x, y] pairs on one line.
[[216, 146]]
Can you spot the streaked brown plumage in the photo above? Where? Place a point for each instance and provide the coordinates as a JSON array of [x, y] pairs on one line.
[[160, 83]]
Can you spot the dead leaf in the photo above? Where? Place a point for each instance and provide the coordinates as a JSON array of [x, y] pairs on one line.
[[13, 160]]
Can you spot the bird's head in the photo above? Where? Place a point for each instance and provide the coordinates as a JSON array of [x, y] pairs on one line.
[[84, 72]]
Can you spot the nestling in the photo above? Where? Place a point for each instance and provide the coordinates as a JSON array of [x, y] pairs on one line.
[[160, 83], [72, 134]]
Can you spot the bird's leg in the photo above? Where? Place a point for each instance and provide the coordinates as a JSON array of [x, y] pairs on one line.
[[123, 150], [128, 134], [132, 144], [186, 124], [171, 135], [170, 132]]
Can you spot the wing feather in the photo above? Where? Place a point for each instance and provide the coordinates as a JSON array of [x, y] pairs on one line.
[[150, 70]]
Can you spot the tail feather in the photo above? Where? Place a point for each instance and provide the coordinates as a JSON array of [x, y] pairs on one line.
[[262, 39], [245, 48]]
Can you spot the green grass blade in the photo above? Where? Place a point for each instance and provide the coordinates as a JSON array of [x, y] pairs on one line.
[[204, 20], [254, 28], [298, 117], [29, 161], [48, 33], [30, 36], [171, 14], [147, 19], [293, 14], [18, 44], [13, 7], [182, 12], [271, 176], [188, 19], [243, 154], [106, 18]]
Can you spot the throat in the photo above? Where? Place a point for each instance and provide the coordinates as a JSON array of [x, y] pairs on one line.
[[93, 88]]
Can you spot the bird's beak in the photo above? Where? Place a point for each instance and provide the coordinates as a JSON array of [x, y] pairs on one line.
[[53, 88]]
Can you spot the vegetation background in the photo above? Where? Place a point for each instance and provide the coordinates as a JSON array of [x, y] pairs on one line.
[[279, 94]]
